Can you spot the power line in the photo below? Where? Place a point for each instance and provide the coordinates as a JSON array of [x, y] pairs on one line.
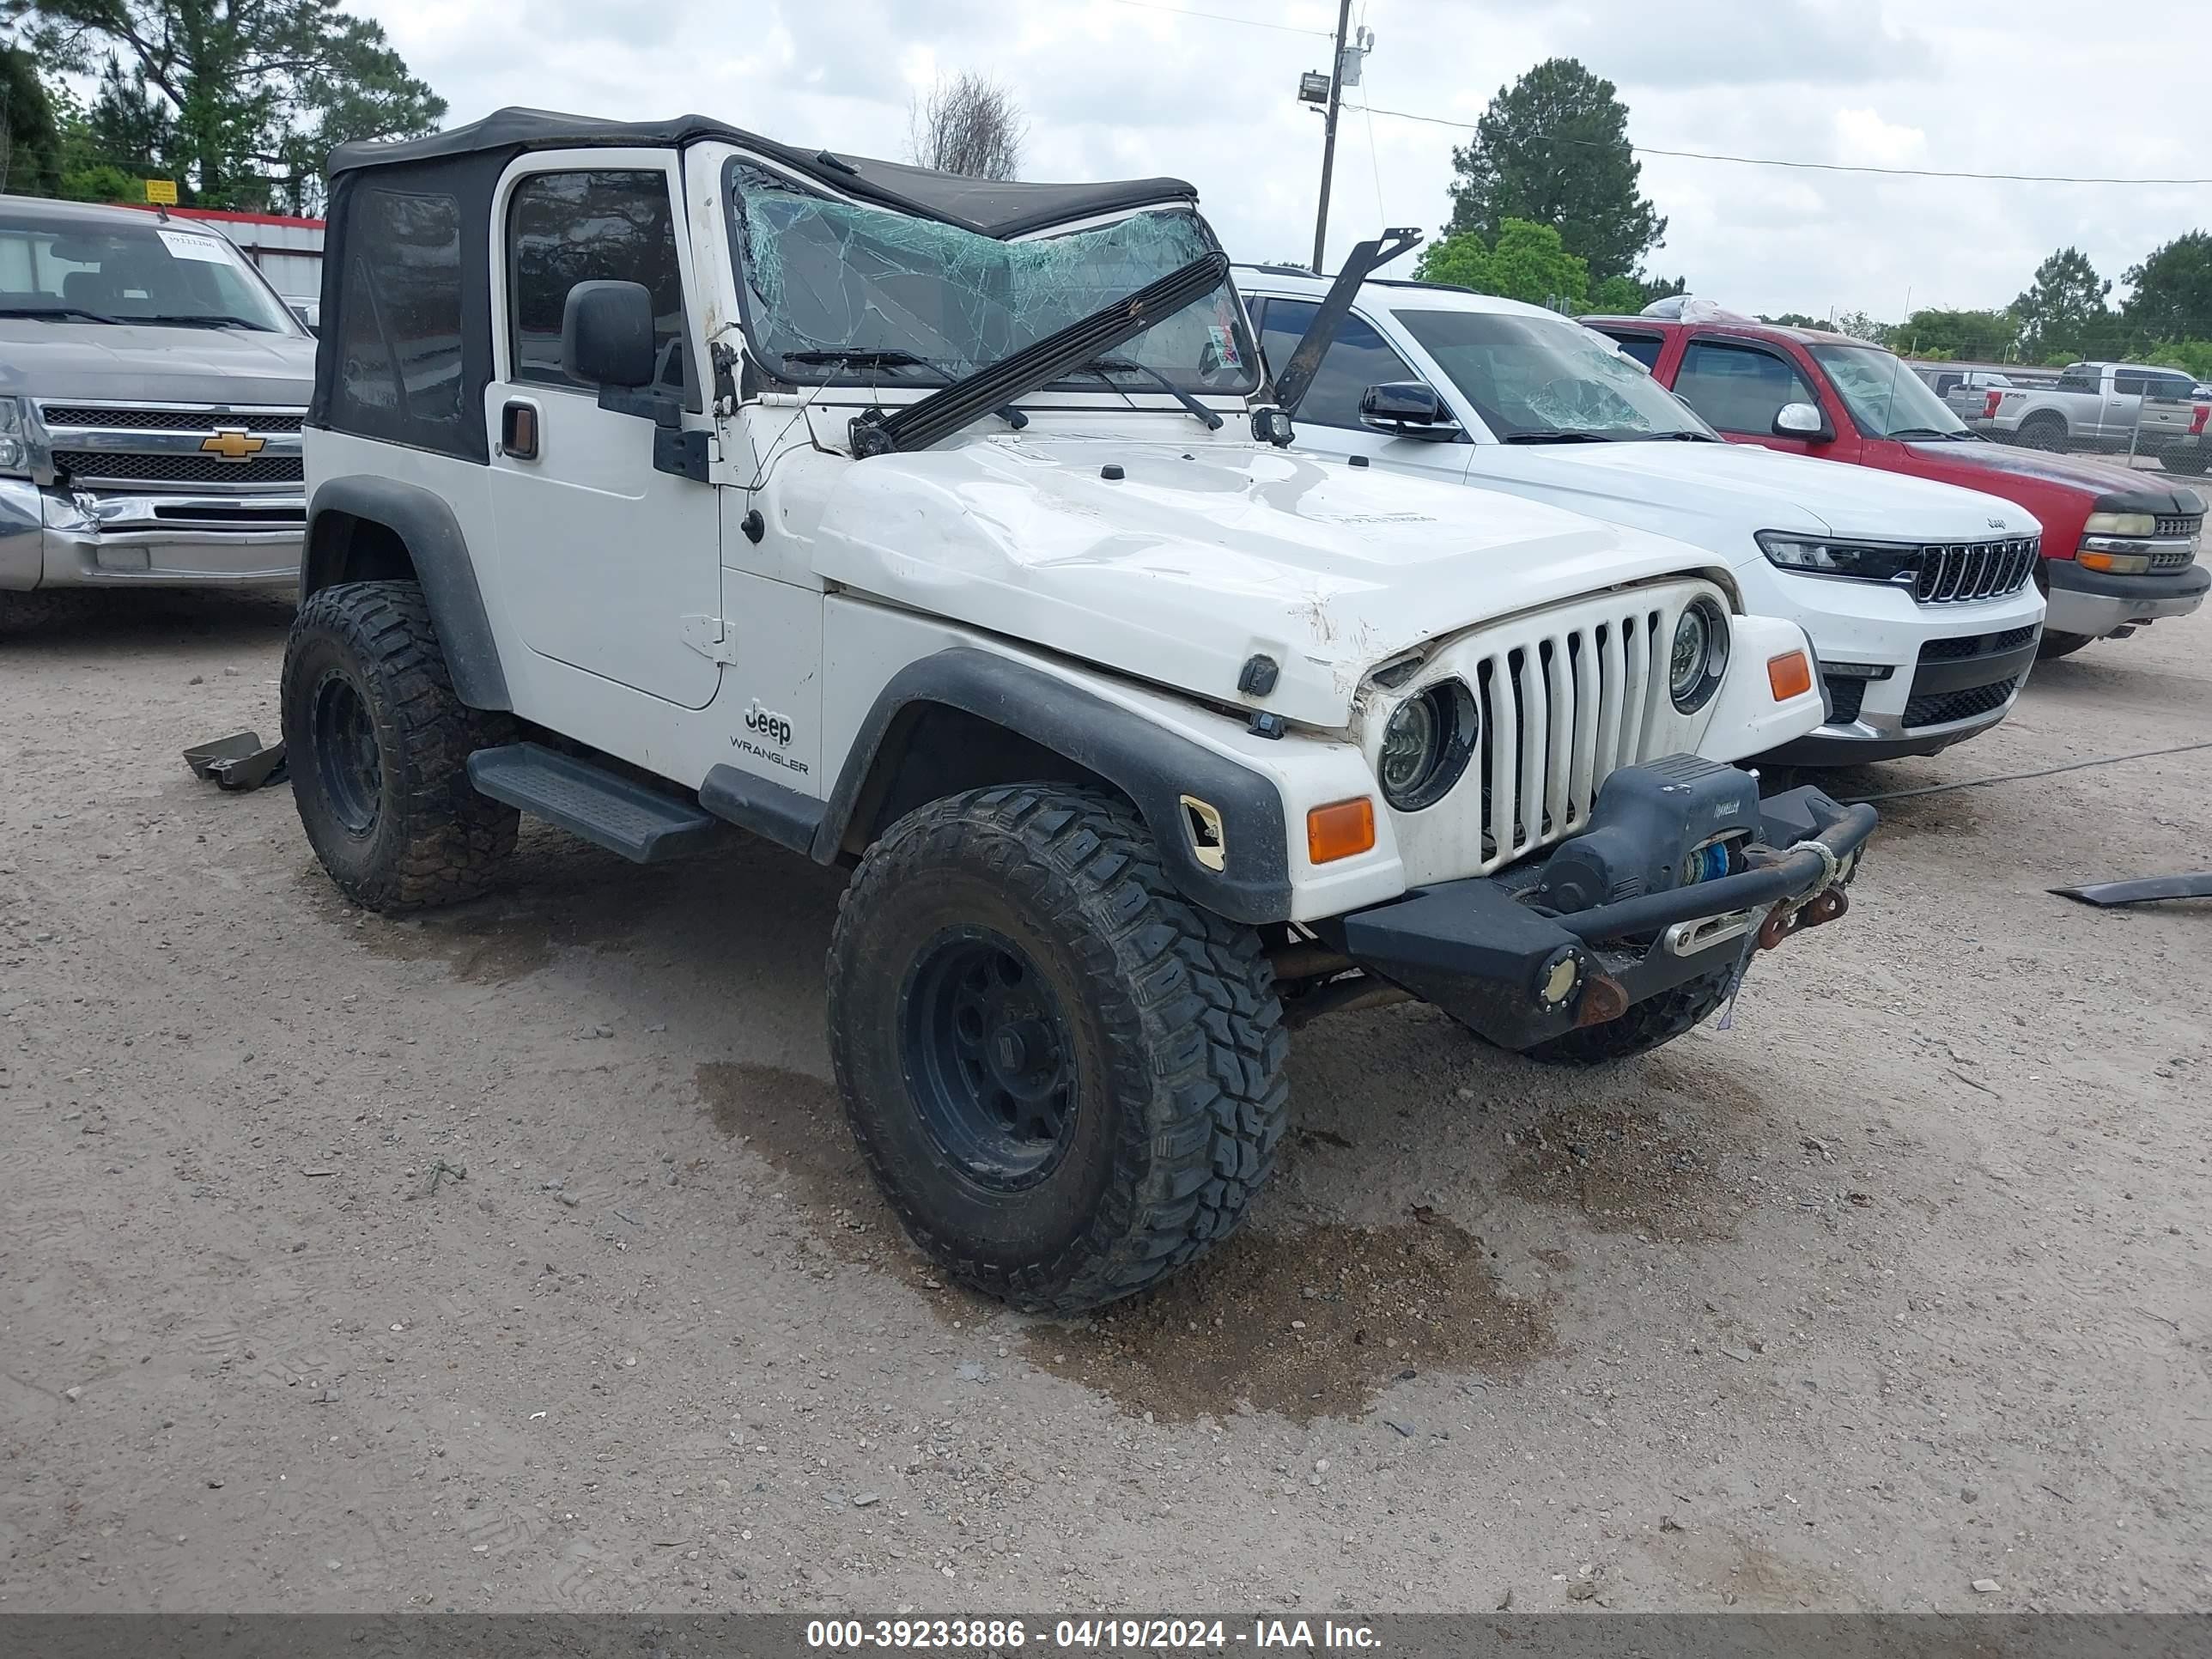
[[1817, 167], [1223, 17]]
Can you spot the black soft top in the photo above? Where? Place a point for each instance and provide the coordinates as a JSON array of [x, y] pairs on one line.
[[976, 205]]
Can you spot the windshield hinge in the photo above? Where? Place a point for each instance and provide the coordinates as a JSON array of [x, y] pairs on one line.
[[709, 638]]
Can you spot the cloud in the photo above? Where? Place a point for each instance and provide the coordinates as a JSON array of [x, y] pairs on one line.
[[1726, 43], [1121, 90], [1864, 139]]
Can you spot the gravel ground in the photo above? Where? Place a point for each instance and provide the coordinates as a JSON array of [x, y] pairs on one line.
[[516, 1257]]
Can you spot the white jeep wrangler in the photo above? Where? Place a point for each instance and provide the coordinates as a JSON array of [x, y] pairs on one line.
[[664, 479]]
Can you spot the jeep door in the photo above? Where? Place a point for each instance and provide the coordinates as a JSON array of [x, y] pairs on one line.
[[601, 556]]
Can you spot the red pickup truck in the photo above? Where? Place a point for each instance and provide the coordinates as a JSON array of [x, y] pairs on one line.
[[2119, 546]]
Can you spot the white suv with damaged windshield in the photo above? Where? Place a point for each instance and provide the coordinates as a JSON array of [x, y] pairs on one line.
[[1920, 598], [669, 483]]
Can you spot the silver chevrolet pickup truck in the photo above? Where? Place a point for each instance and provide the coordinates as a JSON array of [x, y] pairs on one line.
[[152, 386]]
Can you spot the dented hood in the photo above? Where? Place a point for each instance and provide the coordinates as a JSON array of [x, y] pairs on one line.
[[1204, 552]]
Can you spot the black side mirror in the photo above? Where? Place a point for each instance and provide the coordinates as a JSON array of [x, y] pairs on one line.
[[606, 335], [1408, 409]]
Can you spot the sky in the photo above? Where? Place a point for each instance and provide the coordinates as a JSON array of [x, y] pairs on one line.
[[1136, 87]]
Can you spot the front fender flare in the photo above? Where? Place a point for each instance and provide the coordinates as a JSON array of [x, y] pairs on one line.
[[1155, 767]]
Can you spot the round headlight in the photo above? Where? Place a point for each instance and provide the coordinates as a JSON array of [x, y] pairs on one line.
[[1425, 745], [1699, 656]]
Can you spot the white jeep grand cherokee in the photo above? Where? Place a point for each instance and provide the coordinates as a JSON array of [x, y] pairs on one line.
[[1919, 597], [665, 478]]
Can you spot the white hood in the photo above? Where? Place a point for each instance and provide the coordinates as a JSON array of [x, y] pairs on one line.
[[1696, 490], [1207, 551]]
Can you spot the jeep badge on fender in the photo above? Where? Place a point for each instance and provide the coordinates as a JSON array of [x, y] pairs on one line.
[[769, 724], [1017, 551]]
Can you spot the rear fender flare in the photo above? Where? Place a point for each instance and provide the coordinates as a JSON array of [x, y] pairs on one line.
[[437, 559]]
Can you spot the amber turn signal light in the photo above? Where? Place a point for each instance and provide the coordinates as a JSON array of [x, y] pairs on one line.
[[1788, 675], [1340, 829]]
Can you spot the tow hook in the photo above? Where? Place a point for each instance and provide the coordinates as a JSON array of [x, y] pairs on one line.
[[1785, 921], [1604, 998]]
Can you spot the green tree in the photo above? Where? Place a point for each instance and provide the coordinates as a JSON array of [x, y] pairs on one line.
[[2194, 355], [30, 138], [1973, 336], [2173, 297], [1793, 319], [1552, 149], [1860, 326], [1527, 262], [1618, 296], [243, 97], [2062, 315]]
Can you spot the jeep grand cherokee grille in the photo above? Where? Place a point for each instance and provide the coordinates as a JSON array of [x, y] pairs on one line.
[[168, 419], [1975, 570], [86, 464]]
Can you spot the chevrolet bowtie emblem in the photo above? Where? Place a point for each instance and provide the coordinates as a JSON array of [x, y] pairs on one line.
[[234, 444]]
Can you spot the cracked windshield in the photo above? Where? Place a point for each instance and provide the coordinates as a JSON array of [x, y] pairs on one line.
[[856, 294], [1534, 379]]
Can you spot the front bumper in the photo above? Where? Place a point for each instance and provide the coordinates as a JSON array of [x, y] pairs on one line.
[[1494, 963], [1900, 676], [55, 538], [2093, 603]]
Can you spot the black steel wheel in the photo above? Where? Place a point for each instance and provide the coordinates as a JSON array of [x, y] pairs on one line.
[[350, 772], [990, 1057]]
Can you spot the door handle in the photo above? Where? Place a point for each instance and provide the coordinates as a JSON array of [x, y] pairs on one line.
[[518, 430]]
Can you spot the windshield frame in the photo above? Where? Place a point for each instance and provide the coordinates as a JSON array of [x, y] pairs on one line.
[[1828, 354], [1501, 431], [879, 386], [27, 220]]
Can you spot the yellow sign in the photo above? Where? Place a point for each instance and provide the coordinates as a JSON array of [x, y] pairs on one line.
[[163, 191], [234, 444]]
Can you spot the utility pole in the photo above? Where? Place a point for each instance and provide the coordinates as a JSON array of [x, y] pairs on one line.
[[1336, 66]]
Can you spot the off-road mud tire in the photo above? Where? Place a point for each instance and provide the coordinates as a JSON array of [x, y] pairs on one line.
[[1652, 1023], [432, 839], [2053, 646], [1174, 1041]]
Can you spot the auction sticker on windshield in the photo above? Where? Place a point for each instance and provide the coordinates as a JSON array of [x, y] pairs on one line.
[[196, 244]]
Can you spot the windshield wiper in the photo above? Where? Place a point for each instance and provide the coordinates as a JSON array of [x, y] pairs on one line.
[[943, 413], [1557, 437], [1106, 367], [895, 357], [1921, 432], [1680, 438], [58, 310], [864, 357], [203, 319]]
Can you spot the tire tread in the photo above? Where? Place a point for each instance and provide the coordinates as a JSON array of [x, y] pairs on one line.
[[1189, 998]]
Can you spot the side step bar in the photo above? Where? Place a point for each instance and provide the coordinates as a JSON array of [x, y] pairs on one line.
[[604, 807]]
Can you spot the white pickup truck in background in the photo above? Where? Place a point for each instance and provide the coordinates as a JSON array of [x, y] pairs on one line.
[[2110, 408]]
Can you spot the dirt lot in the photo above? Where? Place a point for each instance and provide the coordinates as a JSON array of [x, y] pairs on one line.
[[516, 1258]]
